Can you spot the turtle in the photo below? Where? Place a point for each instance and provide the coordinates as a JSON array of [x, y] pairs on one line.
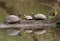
[[28, 17], [39, 16], [12, 19]]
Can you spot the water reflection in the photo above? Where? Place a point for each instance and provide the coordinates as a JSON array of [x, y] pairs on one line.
[[51, 34], [12, 31]]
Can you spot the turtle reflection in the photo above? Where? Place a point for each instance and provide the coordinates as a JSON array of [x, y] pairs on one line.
[[40, 31]]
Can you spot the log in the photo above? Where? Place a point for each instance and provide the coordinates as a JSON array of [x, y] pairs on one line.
[[25, 26]]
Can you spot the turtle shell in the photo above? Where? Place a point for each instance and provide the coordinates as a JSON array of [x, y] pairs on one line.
[[40, 16], [28, 17], [12, 18]]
